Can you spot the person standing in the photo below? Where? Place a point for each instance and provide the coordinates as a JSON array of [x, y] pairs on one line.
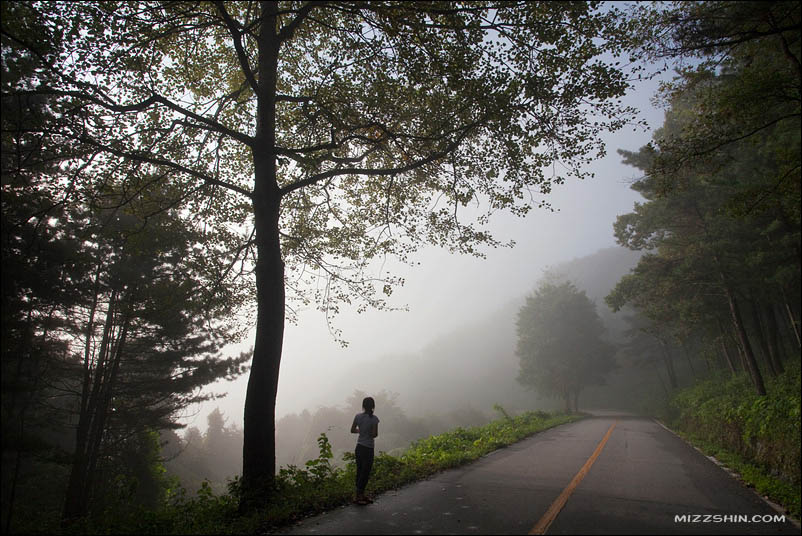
[[366, 424]]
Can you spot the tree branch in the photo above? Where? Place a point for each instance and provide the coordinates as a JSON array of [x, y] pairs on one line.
[[291, 98], [376, 172], [288, 30], [139, 157], [746, 135], [236, 35], [145, 104]]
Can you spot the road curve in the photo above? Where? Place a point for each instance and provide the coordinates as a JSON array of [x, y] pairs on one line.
[[639, 481]]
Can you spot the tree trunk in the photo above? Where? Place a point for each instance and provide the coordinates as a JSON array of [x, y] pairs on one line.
[[769, 338], [727, 357], [749, 356], [669, 363], [259, 445], [90, 331], [103, 408], [786, 342], [75, 504], [724, 347], [259, 441], [773, 339], [794, 324], [761, 338]]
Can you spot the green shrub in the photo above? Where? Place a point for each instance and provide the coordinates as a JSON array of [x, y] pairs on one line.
[[757, 436], [319, 485]]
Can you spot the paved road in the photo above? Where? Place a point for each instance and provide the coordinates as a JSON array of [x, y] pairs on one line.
[[640, 480]]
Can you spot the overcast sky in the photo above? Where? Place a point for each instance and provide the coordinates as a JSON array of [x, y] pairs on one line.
[[449, 290]]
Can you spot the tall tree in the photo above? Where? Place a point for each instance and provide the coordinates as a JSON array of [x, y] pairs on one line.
[[151, 339], [722, 220], [561, 344], [323, 135], [111, 312]]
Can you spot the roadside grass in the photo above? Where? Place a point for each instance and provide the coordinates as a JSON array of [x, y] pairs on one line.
[[320, 485], [757, 437], [778, 491]]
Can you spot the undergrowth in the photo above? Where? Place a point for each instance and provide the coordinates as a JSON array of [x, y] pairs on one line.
[[757, 437], [319, 485]]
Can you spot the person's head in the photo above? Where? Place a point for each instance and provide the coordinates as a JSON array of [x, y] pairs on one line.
[[368, 404]]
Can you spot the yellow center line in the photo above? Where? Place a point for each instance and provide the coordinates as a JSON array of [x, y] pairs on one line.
[[551, 514]]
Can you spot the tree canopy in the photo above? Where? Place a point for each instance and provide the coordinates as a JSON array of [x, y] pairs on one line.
[[561, 343], [721, 220]]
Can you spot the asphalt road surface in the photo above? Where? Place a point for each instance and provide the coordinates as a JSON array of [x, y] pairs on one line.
[[609, 474]]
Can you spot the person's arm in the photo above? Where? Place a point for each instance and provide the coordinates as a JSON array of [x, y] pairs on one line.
[[374, 431], [354, 428]]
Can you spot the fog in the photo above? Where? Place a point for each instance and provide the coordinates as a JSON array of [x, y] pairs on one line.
[[451, 298]]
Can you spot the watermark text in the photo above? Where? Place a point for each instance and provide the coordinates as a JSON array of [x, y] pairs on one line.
[[729, 518]]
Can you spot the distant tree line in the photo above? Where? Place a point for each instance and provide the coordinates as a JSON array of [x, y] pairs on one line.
[[194, 457]]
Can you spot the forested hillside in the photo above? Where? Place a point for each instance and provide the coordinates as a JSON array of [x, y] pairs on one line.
[[720, 224], [718, 286]]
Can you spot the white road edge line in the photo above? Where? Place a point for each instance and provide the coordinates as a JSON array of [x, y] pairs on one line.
[[734, 474]]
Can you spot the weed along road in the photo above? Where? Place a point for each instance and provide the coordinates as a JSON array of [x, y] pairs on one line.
[[607, 474]]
